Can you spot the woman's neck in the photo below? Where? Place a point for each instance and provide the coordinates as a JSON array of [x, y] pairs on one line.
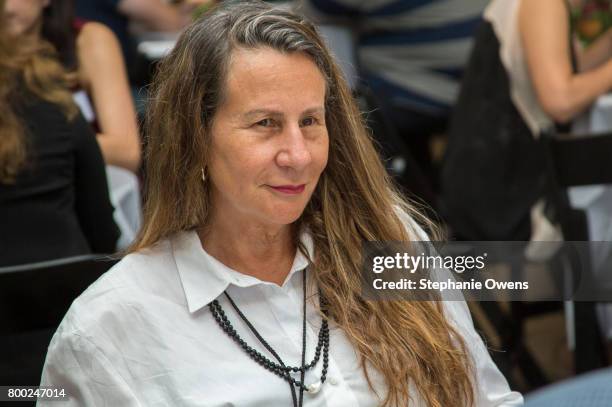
[[264, 252]]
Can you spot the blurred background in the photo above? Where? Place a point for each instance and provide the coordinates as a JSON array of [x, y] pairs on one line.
[[495, 117]]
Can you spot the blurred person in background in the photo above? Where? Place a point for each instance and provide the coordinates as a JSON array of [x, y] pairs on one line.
[[53, 192], [92, 56], [411, 54], [524, 77], [151, 15]]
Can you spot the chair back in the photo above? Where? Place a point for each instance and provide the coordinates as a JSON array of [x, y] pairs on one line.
[[572, 161], [37, 295], [579, 160], [33, 301]]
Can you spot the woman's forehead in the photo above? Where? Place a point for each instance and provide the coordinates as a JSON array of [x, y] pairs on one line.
[[264, 76]]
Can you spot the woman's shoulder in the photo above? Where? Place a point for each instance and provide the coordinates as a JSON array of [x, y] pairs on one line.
[[90, 32], [95, 40], [411, 224], [97, 47], [130, 286]]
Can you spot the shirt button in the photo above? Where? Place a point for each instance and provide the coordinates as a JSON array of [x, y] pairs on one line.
[[333, 381]]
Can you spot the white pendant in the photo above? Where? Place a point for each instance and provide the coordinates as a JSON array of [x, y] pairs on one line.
[[314, 388]]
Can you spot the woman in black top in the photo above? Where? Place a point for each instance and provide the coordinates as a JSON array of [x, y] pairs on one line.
[[53, 192]]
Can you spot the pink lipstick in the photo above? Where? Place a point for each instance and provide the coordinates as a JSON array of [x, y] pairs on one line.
[[290, 189]]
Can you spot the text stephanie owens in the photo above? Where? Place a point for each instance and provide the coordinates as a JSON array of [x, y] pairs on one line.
[[482, 271], [426, 284]]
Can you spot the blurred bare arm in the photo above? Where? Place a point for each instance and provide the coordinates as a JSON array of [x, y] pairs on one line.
[[597, 53], [102, 72], [544, 30], [157, 15]]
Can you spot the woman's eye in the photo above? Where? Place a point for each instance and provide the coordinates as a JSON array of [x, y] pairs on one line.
[[265, 123], [309, 121]]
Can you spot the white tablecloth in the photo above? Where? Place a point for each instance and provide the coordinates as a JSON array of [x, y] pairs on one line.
[[124, 194]]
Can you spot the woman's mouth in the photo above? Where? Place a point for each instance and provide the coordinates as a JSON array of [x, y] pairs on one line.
[[289, 189]]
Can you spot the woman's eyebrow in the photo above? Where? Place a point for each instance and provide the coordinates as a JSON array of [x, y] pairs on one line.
[[315, 110], [259, 112], [251, 114]]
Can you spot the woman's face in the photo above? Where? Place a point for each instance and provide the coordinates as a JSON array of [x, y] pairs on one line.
[[23, 16], [269, 138]]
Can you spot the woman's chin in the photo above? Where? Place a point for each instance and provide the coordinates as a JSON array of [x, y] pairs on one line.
[[286, 215]]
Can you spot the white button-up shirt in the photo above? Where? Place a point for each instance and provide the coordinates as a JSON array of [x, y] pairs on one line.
[[143, 335]]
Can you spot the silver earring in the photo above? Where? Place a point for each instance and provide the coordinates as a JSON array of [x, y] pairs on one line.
[[203, 175]]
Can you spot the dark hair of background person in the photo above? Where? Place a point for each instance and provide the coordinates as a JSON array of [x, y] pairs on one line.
[[59, 30]]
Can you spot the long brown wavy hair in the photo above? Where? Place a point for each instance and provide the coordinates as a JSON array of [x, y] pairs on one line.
[[34, 67], [354, 201]]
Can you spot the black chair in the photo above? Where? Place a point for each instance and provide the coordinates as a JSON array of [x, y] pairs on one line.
[[570, 160], [33, 300], [574, 160]]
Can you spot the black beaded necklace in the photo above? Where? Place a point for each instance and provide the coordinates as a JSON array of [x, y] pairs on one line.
[[280, 369]]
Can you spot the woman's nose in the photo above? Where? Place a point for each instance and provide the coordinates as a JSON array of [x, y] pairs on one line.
[[294, 151]]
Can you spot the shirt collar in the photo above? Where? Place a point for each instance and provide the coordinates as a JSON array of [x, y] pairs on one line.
[[204, 278]]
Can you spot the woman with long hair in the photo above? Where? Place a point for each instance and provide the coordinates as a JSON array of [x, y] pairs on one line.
[[91, 53], [262, 186], [53, 192]]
